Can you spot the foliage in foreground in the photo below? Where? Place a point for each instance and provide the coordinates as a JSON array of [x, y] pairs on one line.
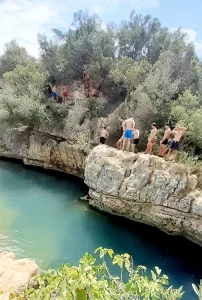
[[89, 280]]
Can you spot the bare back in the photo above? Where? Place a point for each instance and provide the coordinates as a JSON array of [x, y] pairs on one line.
[[136, 134], [128, 124], [104, 133]]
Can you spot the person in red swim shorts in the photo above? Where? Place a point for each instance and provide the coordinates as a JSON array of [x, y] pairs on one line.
[[64, 94]]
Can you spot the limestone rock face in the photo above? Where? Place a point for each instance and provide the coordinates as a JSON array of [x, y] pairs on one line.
[[15, 275], [147, 189], [44, 150]]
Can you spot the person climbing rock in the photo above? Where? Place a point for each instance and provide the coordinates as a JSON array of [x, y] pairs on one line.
[[85, 198], [178, 132], [103, 135], [64, 94], [128, 127], [164, 141], [151, 139], [136, 136], [54, 92]]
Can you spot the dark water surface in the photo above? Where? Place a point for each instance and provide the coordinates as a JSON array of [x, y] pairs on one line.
[[41, 218]]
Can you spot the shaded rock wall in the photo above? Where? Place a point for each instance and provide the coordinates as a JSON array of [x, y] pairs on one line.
[[44, 150], [147, 189]]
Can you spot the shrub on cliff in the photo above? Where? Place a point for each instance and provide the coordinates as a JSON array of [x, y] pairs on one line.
[[26, 109], [89, 281]]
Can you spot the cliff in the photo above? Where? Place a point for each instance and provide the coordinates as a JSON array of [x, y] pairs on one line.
[[44, 150], [146, 189], [139, 187]]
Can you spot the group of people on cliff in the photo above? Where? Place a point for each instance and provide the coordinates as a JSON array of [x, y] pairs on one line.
[[131, 135]]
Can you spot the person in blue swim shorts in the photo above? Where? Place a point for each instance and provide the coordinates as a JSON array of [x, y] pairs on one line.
[[128, 127], [54, 90]]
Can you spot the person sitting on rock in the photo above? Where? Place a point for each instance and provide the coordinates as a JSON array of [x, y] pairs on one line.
[[103, 135], [151, 139], [128, 127], [164, 141], [178, 133], [136, 135]]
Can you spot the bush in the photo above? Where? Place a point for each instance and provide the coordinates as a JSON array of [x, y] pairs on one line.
[[27, 109], [89, 280]]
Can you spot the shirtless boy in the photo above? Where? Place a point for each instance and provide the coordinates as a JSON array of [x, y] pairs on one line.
[[151, 139], [164, 141], [128, 127], [54, 90], [64, 94], [178, 133], [136, 135], [103, 135]]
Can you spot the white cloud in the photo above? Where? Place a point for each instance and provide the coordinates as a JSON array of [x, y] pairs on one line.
[[24, 19], [191, 38]]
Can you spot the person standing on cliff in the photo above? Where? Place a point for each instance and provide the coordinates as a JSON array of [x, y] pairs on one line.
[[164, 141], [64, 94], [103, 135], [178, 132], [54, 92], [151, 139], [128, 127], [136, 135]]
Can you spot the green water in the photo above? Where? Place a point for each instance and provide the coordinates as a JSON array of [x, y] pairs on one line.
[[41, 218]]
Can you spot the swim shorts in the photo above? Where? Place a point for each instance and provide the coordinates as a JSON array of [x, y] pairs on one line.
[[165, 142], [175, 145], [54, 95], [64, 94], [128, 134], [102, 140], [136, 141]]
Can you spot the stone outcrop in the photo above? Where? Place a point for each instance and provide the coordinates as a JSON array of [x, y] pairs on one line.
[[44, 150], [147, 189], [15, 275]]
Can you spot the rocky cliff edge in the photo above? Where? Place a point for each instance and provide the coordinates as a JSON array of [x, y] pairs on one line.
[[146, 189]]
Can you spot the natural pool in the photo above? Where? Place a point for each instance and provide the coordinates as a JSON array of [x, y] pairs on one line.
[[41, 218]]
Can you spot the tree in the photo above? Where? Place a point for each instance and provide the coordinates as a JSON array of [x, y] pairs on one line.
[[187, 111], [22, 109], [13, 56], [24, 75]]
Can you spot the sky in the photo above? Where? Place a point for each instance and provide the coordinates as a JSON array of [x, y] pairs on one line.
[[24, 19]]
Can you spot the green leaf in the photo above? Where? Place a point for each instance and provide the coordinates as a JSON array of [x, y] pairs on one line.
[[196, 290], [81, 295]]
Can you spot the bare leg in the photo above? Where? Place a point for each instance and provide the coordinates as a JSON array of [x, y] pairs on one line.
[[124, 143], [175, 153], [146, 151], [128, 145], [150, 148], [133, 148], [169, 152], [163, 150]]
